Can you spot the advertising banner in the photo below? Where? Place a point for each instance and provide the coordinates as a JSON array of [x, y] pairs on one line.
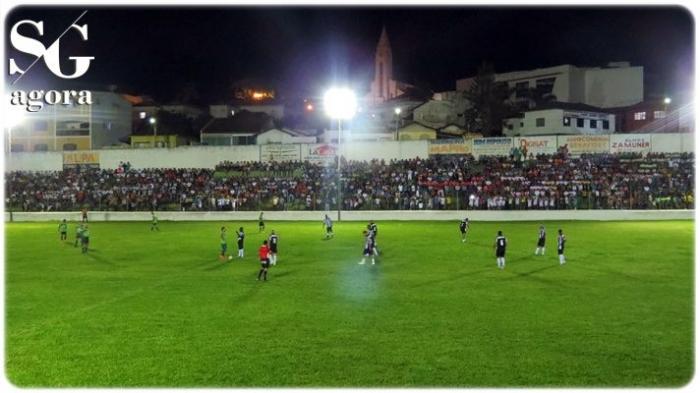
[[319, 153], [492, 146], [280, 152], [89, 159], [630, 143], [579, 144], [450, 146], [537, 144]]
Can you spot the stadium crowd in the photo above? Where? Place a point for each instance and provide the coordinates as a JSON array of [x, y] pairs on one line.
[[600, 181]]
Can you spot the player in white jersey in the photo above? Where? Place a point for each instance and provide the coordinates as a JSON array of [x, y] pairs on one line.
[[561, 242], [369, 245], [328, 223]]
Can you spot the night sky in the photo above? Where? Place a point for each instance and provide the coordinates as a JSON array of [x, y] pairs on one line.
[[301, 50]]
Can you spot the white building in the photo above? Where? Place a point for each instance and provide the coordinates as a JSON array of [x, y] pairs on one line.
[[282, 136], [616, 85], [272, 110], [561, 119], [443, 109]]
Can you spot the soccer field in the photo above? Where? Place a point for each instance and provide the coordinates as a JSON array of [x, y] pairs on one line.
[[149, 308]]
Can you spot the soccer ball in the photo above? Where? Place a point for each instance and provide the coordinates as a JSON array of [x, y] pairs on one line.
[[230, 257]]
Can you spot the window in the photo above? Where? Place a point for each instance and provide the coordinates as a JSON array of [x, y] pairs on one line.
[[72, 132], [545, 86], [142, 115], [41, 126], [17, 147], [594, 123], [41, 147], [640, 116], [510, 127], [567, 121], [522, 124], [606, 124], [579, 123], [70, 146], [539, 122], [521, 89], [659, 114]]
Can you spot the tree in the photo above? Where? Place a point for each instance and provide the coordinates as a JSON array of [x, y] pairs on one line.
[[488, 103]]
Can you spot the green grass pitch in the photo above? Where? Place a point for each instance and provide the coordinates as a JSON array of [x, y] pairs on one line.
[[159, 309]]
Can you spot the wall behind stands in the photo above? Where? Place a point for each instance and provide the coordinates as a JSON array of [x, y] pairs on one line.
[[387, 215], [209, 156]]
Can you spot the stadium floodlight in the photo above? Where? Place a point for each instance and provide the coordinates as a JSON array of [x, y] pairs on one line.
[[340, 103]]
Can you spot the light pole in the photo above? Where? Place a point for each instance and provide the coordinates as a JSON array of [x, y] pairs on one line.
[[340, 104], [153, 122], [397, 112]]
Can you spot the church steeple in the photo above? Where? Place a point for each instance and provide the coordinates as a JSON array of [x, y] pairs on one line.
[[383, 68]]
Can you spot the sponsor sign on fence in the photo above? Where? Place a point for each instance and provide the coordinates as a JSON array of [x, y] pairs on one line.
[[492, 146], [450, 146], [280, 152], [81, 158], [630, 143], [319, 153], [578, 144], [537, 144]]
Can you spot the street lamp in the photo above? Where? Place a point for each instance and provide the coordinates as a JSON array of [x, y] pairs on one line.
[[397, 112], [340, 104], [667, 100], [153, 122]]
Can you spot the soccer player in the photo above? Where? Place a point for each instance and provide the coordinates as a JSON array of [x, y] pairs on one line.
[[273, 248], [261, 223], [329, 226], [369, 244], [264, 254], [241, 238], [85, 216], [85, 239], [224, 246], [463, 226], [78, 234], [561, 241], [63, 229], [154, 222], [540, 241], [500, 247], [372, 227]]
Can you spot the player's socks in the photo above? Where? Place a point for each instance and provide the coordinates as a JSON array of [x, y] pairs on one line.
[[265, 275], [372, 261], [362, 262], [260, 273]]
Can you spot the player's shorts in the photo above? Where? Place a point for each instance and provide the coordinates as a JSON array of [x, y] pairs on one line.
[[85, 240], [560, 251], [367, 252], [500, 253], [329, 229], [273, 249], [224, 247], [540, 243], [64, 233], [240, 246], [265, 263], [261, 224], [463, 230]]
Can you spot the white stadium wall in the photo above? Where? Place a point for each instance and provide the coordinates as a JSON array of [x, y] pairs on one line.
[[387, 215], [210, 156], [48, 161]]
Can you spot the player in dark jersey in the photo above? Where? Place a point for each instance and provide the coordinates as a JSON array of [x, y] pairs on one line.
[[273, 240], [261, 223], [500, 247], [463, 226], [241, 238], [372, 228], [63, 229], [264, 254], [540, 241], [367, 252], [561, 242]]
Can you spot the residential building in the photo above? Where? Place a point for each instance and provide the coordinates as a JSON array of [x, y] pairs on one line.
[[655, 116], [74, 127], [617, 85], [561, 118], [282, 136], [239, 129]]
